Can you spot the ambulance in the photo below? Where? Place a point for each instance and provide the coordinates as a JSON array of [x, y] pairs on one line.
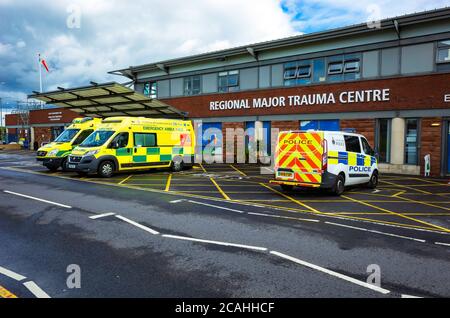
[[123, 144], [54, 154], [329, 160]]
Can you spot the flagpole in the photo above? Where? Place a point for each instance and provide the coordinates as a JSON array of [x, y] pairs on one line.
[[40, 73]]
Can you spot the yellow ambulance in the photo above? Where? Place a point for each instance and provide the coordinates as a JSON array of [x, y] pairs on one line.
[[324, 159], [135, 143], [54, 154]]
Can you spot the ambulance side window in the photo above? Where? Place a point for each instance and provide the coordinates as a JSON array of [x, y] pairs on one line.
[[366, 147], [352, 144], [120, 141], [144, 140]]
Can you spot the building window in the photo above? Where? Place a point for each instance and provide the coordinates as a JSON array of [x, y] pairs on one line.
[[383, 140], [411, 141], [344, 67], [297, 73], [229, 81], [335, 68], [319, 70], [351, 66], [192, 85], [329, 125], [150, 89], [443, 54]]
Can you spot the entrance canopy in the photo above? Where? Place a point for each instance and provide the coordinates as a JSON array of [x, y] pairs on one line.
[[107, 100]]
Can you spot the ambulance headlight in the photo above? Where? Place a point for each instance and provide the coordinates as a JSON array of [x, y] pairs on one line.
[[53, 153], [91, 153]]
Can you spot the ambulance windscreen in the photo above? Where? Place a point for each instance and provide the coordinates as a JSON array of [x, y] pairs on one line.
[[97, 138]]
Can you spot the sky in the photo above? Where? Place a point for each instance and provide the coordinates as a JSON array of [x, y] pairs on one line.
[[82, 40]]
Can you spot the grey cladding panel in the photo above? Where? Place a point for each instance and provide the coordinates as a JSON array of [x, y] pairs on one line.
[[370, 64], [390, 61], [176, 87], [163, 88], [418, 58], [277, 75], [249, 78], [264, 76], [209, 82]]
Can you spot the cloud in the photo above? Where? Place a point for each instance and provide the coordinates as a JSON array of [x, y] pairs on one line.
[[115, 34]]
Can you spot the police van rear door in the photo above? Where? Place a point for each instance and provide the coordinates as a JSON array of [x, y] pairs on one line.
[[299, 157]]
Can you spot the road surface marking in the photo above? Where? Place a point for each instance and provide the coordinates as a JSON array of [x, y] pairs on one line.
[[168, 183], [11, 274], [397, 214], [36, 290], [241, 172], [330, 272], [101, 215], [424, 203], [37, 199], [409, 296], [126, 179], [290, 198], [257, 248], [376, 232], [219, 189], [406, 187], [201, 166], [444, 244], [4, 293], [142, 227], [215, 206], [397, 194], [282, 217]]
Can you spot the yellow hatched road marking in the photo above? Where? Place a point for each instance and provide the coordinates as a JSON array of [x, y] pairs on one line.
[[424, 203], [220, 189], [203, 168], [238, 170], [4, 293], [126, 179], [168, 183], [406, 187], [397, 194], [398, 214]]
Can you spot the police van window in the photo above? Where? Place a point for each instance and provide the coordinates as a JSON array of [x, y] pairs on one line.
[[82, 136], [352, 144], [120, 141], [144, 140], [366, 147]]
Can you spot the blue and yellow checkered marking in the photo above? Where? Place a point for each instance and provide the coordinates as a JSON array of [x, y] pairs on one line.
[[350, 158]]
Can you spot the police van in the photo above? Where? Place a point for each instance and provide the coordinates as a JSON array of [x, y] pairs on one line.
[[54, 155], [135, 143], [324, 159]]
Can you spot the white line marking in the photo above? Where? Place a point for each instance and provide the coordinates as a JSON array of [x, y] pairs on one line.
[[282, 217], [178, 201], [145, 228], [11, 274], [101, 215], [36, 290], [440, 243], [37, 199], [330, 272], [257, 248], [409, 296], [216, 206], [377, 232]]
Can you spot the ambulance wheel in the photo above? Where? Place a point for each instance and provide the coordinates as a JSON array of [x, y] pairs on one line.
[[64, 164], [373, 183], [52, 168], [339, 185], [286, 187], [177, 164], [106, 169]]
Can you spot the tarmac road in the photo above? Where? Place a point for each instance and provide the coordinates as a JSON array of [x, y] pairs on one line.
[[154, 244]]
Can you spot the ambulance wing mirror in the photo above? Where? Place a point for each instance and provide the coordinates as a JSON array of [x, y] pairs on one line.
[[114, 144]]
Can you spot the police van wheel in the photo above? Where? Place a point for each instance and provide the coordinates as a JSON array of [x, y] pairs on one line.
[[106, 169], [177, 164], [339, 185], [286, 187], [373, 183]]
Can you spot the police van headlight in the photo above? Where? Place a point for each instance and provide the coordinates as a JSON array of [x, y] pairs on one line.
[[53, 153], [91, 153]]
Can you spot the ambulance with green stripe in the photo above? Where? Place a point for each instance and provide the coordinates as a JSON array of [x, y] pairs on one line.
[[55, 154], [324, 159], [123, 144]]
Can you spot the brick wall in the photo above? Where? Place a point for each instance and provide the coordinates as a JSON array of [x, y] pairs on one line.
[[286, 125], [430, 143], [364, 127], [42, 134]]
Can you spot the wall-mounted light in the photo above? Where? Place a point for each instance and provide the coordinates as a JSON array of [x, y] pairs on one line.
[[435, 124]]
